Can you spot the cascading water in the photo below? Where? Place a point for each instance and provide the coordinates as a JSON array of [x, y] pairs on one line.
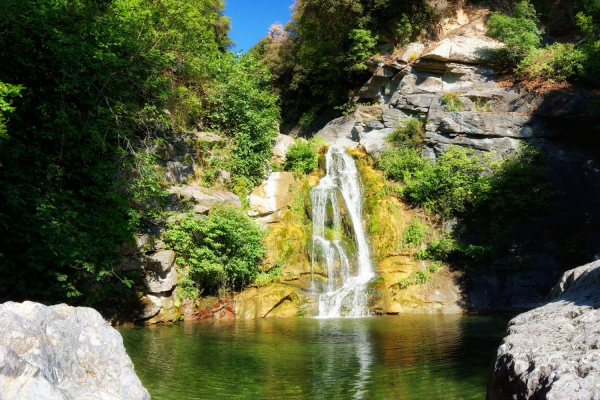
[[346, 286]]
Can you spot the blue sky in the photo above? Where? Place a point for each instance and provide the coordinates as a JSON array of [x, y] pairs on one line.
[[251, 19]]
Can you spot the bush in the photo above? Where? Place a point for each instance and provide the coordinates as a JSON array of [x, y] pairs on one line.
[[452, 101], [518, 31], [400, 164], [554, 63], [415, 233], [221, 251], [410, 134], [302, 157]]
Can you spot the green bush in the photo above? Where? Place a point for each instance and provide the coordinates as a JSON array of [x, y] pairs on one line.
[[415, 233], [437, 250], [554, 63], [518, 31], [590, 27], [410, 134], [221, 251], [302, 157], [452, 101], [400, 164]]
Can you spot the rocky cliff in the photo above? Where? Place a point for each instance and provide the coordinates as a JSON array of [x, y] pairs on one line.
[[493, 117], [62, 352], [552, 352]]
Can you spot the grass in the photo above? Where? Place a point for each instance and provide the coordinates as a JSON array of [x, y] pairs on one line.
[[452, 101]]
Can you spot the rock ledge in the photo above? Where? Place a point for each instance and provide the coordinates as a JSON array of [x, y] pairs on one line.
[[553, 352]]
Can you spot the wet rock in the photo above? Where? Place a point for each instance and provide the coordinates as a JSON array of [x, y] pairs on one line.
[[63, 352], [151, 304], [273, 301], [552, 352], [160, 262]]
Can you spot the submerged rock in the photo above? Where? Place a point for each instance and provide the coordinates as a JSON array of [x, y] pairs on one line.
[[63, 352], [552, 352]]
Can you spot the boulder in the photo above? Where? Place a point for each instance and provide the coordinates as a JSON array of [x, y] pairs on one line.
[[338, 131], [63, 352], [374, 141], [552, 352], [160, 262], [273, 196], [151, 304], [160, 282], [282, 144], [463, 49], [206, 197], [392, 117]]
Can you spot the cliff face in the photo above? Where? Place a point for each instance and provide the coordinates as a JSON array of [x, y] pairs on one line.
[[493, 116], [552, 352]]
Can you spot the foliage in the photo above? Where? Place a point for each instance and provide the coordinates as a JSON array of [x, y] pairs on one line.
[[555, 63], [240, 104], [105, 80], [481, 105], [436, 250], [590, 48], [518, 31], [363, 45], [420, 277], [410, 134], [221, 251], [302, 157], [401, 163], [327, 43], [415, 233], [452, 101], [6, 92]]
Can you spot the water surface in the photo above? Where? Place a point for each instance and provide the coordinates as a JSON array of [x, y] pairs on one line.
[[395, 357]]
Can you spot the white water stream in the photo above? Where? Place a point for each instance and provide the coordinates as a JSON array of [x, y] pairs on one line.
[[345, 293]]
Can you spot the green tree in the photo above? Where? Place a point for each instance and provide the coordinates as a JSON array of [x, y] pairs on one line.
[[221, 251]]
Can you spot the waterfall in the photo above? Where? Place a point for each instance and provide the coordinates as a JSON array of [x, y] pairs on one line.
[[344, 293]]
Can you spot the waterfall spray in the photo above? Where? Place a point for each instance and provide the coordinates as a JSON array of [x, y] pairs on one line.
[[343, 286]]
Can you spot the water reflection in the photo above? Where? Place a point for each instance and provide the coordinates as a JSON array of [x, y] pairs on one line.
[[408, 357]]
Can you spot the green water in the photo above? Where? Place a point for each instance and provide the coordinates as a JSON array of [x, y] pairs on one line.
[[395, 357]]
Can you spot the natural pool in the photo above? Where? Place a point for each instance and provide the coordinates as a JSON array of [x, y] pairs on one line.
[[394, 357]]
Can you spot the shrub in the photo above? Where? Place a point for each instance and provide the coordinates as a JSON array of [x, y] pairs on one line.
[[436, 250], [554, 63], [452, 101], [518, 31], [400, 164], [410, 134], [363, 44], [302, 157], [415, 233], [482, 105], [221, 251]]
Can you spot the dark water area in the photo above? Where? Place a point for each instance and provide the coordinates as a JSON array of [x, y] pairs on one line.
[[394, 357]]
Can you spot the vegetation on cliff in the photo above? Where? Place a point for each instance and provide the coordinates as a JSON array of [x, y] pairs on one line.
[[551, 63], [99, 84], [319, 57]]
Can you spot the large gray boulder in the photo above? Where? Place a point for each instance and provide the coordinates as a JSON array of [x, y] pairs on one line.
[[553, 352], [62, 352]]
